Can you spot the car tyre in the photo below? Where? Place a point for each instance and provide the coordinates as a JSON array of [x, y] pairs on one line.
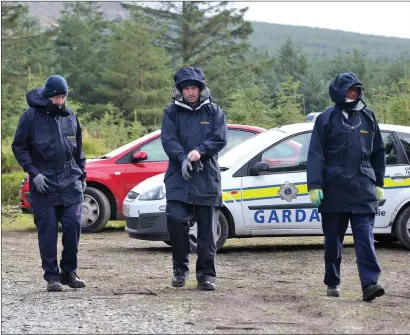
[[402, 227], [96, 210], [223, 232]]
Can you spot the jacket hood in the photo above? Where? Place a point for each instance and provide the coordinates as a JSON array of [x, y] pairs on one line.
[[190, 73], [35, 98], [340, 85]]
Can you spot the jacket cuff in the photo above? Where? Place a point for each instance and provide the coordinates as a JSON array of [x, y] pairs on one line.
[[314, 187], [33, 173], [200, 148], [181, 157]]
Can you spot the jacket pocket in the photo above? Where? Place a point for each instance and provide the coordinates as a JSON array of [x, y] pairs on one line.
[[45, 149], [369, 172], [366, 141], [331, 172]]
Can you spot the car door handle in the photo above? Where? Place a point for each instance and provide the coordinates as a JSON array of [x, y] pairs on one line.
[[400, 176]]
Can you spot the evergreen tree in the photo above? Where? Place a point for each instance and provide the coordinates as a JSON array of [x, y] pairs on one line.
[[24, 45], [198, 31], [81, 48], [292, 62], [136, 77], [290, 109]]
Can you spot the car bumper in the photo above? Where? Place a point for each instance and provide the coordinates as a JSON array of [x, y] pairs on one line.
[[150, 226]]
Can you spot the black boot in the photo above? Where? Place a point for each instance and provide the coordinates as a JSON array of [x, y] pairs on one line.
[[72, 280], [54, 285], [179, 277], [206, 285], [333, 291], [372, 291]]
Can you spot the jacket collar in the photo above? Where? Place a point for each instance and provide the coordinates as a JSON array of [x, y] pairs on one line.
[[179, 103]]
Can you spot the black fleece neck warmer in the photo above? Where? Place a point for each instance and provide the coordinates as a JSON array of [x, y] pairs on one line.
[[55, 110]]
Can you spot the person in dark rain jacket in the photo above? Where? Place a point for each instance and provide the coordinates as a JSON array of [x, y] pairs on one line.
[[193, 132], [48, 146], [345, 176]]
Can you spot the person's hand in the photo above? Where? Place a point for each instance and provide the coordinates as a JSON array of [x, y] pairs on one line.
[[41, 183], [194, 156], [186, 165], [380, 193], [316, 196], [84, 184]]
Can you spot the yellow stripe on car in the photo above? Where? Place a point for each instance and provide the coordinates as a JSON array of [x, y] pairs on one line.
[[272, 191]]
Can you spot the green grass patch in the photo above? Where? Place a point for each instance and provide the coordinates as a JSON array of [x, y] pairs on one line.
[[24, 222], [116, 224], [17, 222]]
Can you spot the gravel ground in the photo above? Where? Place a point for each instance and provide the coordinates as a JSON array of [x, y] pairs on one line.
[[264, 285]]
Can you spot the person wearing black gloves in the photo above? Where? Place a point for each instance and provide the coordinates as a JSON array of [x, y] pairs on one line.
[[48, 146], [193, 132]]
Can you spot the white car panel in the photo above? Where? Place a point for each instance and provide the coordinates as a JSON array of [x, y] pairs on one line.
[[272, 204]]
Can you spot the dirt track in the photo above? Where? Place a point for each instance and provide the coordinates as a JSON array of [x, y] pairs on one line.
[[265, 285]]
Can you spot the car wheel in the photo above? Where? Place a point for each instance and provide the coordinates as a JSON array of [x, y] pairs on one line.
[[402, 228], [96, 211], [384, 239], [222, 233]]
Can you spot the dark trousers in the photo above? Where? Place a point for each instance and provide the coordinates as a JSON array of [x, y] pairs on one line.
[[334, 228], [179, 214], [46, 220]]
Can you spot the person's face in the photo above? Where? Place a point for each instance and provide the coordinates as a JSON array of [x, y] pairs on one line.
[[191, 94], [57, 100], [353, 93]]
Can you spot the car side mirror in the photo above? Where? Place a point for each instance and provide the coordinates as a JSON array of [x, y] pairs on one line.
[[139, 156], [258, 168]]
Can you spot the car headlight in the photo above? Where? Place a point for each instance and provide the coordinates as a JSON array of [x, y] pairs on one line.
[[132, 195], [156, 193]]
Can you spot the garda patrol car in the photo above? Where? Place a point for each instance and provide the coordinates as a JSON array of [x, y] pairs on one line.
[[265, 192]]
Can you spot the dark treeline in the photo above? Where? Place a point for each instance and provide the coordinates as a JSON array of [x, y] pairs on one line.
[[120, 72]]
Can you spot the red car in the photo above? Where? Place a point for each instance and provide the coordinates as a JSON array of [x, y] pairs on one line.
[[112, 176]]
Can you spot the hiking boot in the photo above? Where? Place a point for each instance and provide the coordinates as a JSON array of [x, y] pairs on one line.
[[54, 285], [372, 291], [206, 285], [333, 291], [72, 280], [178, 279]]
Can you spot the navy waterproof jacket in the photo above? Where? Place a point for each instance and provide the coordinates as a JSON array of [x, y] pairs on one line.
[[49, 143], [185, 128], [346, 157]]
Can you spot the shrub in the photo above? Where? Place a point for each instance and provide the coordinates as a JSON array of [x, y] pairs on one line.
[[8, 161], [10, 186]]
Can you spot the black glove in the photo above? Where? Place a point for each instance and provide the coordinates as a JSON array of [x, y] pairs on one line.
[[186, 164], [198, 166]]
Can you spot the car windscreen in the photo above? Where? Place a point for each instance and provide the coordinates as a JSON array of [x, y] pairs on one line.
[[249, 148], [127, 146]]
